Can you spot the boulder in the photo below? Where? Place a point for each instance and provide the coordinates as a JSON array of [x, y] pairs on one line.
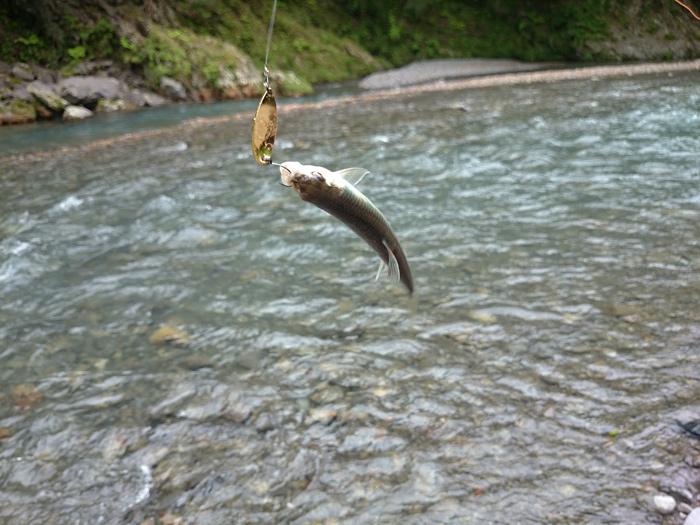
[[134, 96], [87, 91], [47, 96], [45, 75], [153, 100], [19, 92], [173, 89], [23, 71], [76, 113], [5, 68], [17, 112]]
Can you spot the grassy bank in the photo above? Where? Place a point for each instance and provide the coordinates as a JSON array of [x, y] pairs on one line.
[[321, 40]]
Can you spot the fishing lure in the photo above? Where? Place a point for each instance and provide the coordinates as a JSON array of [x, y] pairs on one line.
[[264, 130]]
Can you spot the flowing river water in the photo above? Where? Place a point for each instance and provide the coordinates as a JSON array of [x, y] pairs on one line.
[[182, 338]]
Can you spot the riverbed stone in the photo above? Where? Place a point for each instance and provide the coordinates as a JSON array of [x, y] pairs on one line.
[[664, 503], [23, 71], [47, 96], [693, 518], [327, 394], [76, 113], [173, 89]]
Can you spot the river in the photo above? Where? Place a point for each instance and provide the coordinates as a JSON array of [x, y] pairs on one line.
[[183, 338]]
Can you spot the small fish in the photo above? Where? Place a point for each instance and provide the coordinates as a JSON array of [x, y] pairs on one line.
[[334, 192]]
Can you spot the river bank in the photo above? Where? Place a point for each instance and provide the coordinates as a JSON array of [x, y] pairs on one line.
[[433, 79]]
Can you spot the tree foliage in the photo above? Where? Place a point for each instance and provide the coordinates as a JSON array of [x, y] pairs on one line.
[[312, 37]]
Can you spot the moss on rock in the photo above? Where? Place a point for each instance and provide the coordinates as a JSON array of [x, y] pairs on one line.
[[17, 112]]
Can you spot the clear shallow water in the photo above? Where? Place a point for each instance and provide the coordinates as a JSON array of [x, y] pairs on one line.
[[552, 230]]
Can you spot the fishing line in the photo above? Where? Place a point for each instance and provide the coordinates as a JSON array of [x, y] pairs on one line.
[[269, 41], [264, 131]]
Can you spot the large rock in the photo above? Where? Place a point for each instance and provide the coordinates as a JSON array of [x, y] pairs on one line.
[[86, 91], [23, 71], [19, 92], [17, 112], [45, 75], [153, 100], [76, 113], [173, 89], [5, 68], [47, 96]]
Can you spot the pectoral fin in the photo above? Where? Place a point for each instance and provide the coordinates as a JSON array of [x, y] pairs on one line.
[[393, 266], [352, 175]]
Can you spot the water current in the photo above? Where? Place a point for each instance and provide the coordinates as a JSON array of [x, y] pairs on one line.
[[182, 336]]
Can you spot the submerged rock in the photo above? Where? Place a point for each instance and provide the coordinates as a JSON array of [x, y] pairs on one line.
[[169, 334], [24, 395]]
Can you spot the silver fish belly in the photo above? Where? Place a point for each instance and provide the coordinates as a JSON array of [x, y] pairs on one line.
[[339, 198]]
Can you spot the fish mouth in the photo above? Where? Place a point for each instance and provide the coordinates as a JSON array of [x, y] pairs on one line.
[[285, 177]]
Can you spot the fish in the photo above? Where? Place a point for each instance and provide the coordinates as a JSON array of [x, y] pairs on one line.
[[335, 193]]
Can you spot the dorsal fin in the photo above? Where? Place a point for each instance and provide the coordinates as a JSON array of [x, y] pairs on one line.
[[352, 175]]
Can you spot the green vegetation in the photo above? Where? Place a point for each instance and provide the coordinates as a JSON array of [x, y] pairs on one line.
[[319, 40]]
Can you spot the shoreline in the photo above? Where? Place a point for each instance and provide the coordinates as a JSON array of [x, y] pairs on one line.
[[488, 80]]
